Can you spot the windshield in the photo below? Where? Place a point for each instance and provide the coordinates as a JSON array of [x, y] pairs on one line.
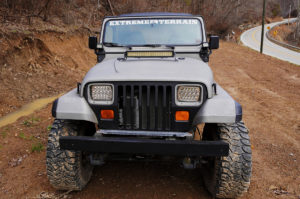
[[139, 32]]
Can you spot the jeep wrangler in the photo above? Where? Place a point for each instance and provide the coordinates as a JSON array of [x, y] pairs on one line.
[[151, 95]]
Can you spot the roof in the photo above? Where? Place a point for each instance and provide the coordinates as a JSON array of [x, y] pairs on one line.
[[147, 14]]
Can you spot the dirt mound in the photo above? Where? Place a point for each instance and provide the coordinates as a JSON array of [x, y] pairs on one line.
[[40, 65]]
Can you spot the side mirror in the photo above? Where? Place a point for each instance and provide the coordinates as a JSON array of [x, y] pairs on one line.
[[93, 43], [213, 42]]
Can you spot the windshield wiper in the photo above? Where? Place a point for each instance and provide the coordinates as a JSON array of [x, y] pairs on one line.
[[151, 45], [110, 44], [154, 45], [170, 46], [158, 45], [146, 45]]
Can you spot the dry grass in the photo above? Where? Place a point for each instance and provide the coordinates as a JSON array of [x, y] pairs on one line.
[[286, 33]]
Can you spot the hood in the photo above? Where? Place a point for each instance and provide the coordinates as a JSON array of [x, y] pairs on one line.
[[151, 69]]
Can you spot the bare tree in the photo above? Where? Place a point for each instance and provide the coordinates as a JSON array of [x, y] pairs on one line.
[[220, 15], [111, 8], [298, 23]]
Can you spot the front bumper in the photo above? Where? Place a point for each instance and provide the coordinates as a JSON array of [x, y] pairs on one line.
[[133, 145]]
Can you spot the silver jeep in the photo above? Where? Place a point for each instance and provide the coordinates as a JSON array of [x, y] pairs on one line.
[[151, 95]]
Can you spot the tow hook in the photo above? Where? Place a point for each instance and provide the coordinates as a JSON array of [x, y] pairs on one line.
[[189, 163], [97, 159]]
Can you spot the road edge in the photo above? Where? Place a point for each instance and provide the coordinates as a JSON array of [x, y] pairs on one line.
[[285, 45]]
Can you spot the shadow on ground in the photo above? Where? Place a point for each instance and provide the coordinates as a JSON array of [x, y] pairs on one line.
[[144, 180]]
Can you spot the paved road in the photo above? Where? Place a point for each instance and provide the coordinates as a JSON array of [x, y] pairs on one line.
[[251, 38]]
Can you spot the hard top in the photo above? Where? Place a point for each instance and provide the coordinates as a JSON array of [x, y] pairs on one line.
[[151, 14]]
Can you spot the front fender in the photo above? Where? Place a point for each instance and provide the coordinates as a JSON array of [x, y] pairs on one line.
[[222, 108], [72, 106]]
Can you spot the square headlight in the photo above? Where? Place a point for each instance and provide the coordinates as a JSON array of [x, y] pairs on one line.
[[101, 93], [189, 95]]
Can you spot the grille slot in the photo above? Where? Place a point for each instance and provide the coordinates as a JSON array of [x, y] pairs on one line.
[[145, 107]]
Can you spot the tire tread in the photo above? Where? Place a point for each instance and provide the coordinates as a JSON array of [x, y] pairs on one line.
[[64, 169], [231, 175]]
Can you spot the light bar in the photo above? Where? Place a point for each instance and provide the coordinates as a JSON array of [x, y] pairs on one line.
[[150, 54]]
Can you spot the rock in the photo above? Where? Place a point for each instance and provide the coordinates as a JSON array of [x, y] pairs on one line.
[[17, 161], [46, 195], [273, 187], [49, 84]]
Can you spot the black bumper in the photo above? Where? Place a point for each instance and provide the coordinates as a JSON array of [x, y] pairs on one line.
[[144, 146]]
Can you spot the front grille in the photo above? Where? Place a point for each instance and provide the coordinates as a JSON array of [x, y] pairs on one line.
[[144, 107]]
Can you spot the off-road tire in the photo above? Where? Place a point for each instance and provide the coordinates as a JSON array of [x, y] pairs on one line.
[[67, 170], [229, 177]]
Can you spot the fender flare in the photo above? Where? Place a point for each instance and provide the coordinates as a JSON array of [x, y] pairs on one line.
[[72, 106], [221, 108]]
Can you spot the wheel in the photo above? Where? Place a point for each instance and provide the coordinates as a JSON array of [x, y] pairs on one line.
[[229, 177], [67, 170]]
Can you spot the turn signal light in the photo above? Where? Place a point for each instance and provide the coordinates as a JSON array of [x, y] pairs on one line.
[[107, 114], [182, 115]]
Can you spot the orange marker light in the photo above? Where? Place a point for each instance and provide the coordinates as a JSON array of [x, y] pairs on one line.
[[107, 114], [182, 115]]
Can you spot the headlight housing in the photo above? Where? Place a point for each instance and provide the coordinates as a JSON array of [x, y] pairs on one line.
[[188, 95], [101, 93]]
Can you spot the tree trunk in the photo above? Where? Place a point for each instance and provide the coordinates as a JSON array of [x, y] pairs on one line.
[[298, 23]]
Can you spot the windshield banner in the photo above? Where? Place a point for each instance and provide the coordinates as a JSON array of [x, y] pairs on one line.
[[153, 21]]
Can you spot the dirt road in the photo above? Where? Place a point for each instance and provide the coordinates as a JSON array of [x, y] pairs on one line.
[[267, 88]]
